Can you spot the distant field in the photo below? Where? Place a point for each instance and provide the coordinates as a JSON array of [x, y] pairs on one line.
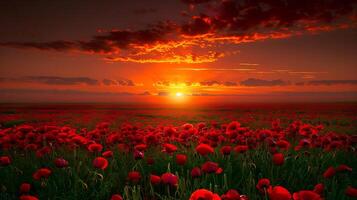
[[339, 117]]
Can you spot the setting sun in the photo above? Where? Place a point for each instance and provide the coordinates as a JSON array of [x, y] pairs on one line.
[[179, 94]]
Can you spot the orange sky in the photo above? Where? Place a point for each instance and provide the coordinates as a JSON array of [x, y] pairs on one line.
[[146, 50]]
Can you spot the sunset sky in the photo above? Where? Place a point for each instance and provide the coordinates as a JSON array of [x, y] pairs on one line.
[[226, 50]]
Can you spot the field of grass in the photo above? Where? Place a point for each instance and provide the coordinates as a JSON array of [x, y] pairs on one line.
[[103, 151]]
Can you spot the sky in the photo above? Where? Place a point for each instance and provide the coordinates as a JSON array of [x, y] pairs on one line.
[[178, 50]]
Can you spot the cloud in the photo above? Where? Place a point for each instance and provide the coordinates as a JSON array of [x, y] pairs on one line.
[[195, 1], [125, 82], [143, 11], [209, 83], [119, 82], [247, 15], [54, 91], [329, 82], [217, 83], [54, 95], [249, 64], [110, 42], [109, 82], [253, 82], [59, 45], [215, 69], [220, 23], [146, 93], [163, 94], [57, 80]]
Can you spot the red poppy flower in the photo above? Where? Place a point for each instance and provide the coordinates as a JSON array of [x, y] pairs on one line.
[[5, 160], [231, 195], [329, 172], [140, 147], [123, 148], [283, 144], [203, 194], [42, 173], [169, 148], [262, 184], [181, 159], [319, 188], [95, 147], [134, 176], [187, 126], [61, 163], [226, 150], [241, 148], [233, 126], [116, 197], [204, 149], [100, 163], [155, 180], [28, 197], [209, 167], [138, 155], [170, 179], [306, 195], [44, 151], [196, 172], [25, 188], [351, 191], [150, 161], [219, 170], [107, 154], [279, 193], [341, 168], [278, 159]]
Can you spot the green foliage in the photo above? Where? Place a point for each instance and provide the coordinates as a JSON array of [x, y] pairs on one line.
[[241, 172]]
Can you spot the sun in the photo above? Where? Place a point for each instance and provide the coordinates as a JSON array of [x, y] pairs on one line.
[[178, 94]]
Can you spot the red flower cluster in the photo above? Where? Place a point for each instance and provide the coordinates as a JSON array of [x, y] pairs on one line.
[[42, 173], [188, 149]]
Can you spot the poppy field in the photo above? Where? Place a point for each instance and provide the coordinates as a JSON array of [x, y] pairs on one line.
[[233, 152]]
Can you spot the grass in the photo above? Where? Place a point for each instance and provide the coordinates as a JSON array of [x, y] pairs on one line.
[[241, 172]]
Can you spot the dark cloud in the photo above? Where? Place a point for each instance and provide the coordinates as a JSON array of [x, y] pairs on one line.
[[106, 43], [56, 80], [228, 21], [143, 11], [259, 82], [218, 83], [197, 26], [209, 83], [125, 82], [146, 93], [109, 82], [244, 18], [54, 91], [331, 82], [195, 1], [54, 95], [229, 83], [163, 94], [59, 45], [162, 83], [119, 82]]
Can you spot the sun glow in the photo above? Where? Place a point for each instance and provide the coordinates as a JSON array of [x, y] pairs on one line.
[[178, 94]]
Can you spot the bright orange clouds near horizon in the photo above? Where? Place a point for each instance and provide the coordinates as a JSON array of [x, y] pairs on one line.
[[237, 50]]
